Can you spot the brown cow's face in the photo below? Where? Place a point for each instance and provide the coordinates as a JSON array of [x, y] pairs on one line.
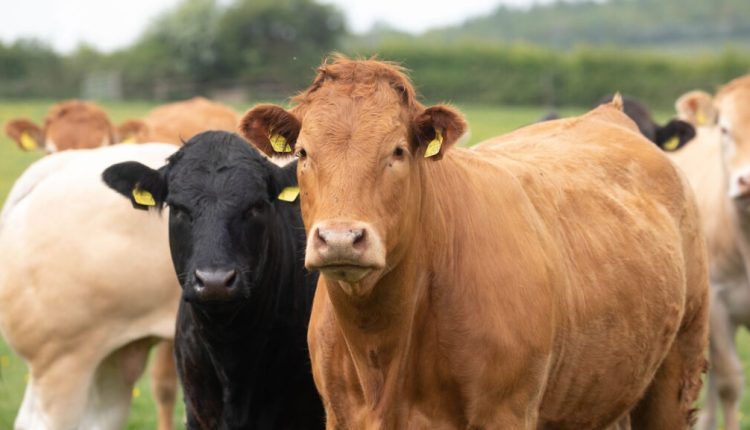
[[357, 178], [361, 138], [734, 126]]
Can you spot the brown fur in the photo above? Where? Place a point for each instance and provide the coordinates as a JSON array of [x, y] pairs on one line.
[[72, 124], [524, 279], [179, 121]]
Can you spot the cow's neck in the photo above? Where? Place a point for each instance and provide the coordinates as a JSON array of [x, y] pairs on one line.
[[379, 328]]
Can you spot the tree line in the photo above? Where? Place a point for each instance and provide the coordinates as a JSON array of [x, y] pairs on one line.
[[270, 48]]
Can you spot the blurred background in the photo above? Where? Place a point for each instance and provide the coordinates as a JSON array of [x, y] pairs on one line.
[[505, 63]]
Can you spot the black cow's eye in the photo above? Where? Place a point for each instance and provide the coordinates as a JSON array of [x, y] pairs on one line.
[[180, 212], [301, 153], [254, 210]]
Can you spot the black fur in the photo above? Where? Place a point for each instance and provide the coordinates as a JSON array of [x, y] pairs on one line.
[[243, 362]]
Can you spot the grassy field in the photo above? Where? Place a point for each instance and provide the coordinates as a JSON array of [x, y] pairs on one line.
[[484, 122]]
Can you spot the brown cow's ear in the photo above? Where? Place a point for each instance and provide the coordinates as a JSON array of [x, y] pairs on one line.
[[437, 129], [272, 129], [131, 131], [27, 135], [697, 108]]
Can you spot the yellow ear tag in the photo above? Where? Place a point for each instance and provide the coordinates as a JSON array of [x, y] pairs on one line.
[[700, 118], [143, 197], [289, 194], [278, 142], [434, 146], [129, 140], [27, 142], [671, 144]]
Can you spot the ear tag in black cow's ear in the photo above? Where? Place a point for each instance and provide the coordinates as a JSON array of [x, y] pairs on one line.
[[433, 148], [143, 198], [279, 143], [671, 144], [289, 194]]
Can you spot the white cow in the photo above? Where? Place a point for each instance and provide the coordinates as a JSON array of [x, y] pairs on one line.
[[86, 287], [717, 163]]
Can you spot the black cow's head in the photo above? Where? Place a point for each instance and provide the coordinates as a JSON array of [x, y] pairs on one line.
[[225, 214], [670, 137]]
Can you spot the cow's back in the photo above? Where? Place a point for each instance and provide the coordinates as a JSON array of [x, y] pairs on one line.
[[77, 260], [618, 231]]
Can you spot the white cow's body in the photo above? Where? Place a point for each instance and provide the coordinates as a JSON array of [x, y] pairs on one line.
[[86, 287]]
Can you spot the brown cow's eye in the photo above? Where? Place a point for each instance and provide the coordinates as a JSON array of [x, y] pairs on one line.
[[301, 153], [398, 152]]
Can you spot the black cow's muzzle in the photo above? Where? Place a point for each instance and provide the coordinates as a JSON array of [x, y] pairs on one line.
[[213, 285]]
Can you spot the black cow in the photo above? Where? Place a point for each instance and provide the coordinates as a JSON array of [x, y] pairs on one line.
[[238, 251], [669, 137]]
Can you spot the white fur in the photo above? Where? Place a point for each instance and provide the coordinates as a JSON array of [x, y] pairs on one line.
[[82, 274]]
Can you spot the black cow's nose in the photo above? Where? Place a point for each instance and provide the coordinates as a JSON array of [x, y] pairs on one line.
[[215, 279]]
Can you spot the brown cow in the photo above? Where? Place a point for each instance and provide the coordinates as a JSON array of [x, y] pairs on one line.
[[77, 124], [72, 124], [554, 277], [717, 163], [179, 121]]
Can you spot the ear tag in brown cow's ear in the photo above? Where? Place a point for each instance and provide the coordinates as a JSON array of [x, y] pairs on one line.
[[671, 144], [279, 143], [27, 142], [129, 140], [433, 148], [700, 118], [289, 194], [143, 198]]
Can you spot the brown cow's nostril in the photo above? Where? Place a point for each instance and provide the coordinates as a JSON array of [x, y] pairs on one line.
[[320, 237], [742, 180], [214, 279], [358, 235]]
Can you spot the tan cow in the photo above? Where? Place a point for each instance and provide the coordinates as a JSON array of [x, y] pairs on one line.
[[72, 124], [75, 303], [717, 163], [554, 277], [179, 121]]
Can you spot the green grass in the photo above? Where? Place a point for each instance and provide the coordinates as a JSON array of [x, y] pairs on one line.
[[484, 122]]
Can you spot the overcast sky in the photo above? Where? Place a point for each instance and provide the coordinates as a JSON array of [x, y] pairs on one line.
[[109, 25]]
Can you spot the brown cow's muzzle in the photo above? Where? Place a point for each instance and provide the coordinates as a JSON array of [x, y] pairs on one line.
[[344, 251]]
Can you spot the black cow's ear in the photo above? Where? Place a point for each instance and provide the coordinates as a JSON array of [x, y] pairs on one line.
[[674, 135], [271, 128], [436, 129], [283, 184], [144, 186]]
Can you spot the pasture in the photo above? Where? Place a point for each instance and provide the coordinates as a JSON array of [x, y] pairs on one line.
[[483, 121]]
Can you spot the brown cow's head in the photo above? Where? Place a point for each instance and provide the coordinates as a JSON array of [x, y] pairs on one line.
[[733, 106], [72, 124], [362, 140]]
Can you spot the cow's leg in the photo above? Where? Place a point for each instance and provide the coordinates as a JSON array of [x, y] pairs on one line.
[[57, 394], [725, 372], [164, 383], [113, 386], [669, 400]]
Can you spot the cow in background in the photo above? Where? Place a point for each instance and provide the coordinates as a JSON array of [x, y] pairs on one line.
[[75, 303], [77, 124], [237, 244], [502, 286], [717, 164], [669, 137], [179, 121], [71, 124], [697, 108]]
